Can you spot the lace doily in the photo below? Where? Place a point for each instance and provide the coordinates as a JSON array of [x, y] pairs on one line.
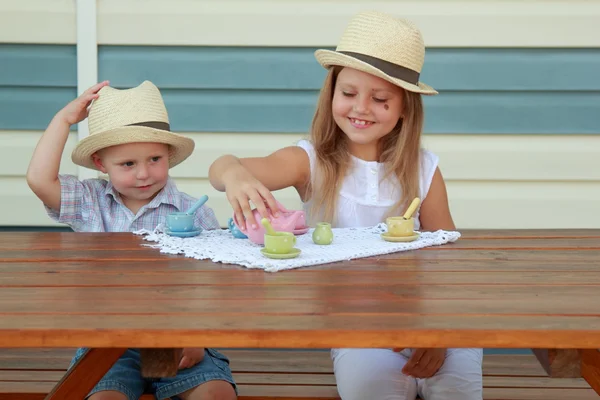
[[348, 243]]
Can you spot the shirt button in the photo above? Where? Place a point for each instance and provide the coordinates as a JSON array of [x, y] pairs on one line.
[[373, 185], [374, 197], [373, 171]]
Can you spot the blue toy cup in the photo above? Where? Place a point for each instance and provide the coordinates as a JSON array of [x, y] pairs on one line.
[[180, 222], [235, 231]]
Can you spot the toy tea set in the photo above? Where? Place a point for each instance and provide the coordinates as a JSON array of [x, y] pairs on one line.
[[402, 229], [278, 234], [181, 224]]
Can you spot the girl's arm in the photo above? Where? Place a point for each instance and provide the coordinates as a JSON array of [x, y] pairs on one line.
[[435, 211], [253, 179]]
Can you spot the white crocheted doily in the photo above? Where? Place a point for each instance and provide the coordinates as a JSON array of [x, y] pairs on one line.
[[348, 244]]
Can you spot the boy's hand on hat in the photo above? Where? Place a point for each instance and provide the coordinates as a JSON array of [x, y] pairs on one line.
[[241, 188], [191, 356], [77, 110]]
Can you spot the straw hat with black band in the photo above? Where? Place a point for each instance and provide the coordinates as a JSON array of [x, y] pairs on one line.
[[130, 116], [382, 45]]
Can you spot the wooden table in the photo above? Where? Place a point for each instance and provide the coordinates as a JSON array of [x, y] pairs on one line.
[[502, 289]]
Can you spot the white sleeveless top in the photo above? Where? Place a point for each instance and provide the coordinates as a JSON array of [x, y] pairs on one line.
[[364, 200]]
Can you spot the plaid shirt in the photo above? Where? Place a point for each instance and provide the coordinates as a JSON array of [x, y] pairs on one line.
[[93, 205]]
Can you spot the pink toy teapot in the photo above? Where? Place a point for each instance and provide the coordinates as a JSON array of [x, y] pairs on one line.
[[288, 221]]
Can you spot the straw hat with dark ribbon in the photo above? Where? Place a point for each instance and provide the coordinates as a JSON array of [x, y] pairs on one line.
[[130, 116], [382, 45]]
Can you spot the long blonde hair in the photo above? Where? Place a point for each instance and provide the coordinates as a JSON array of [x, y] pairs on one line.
[[400, 151]]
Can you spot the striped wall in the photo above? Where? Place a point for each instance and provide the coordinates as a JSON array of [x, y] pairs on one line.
[[516, 123]]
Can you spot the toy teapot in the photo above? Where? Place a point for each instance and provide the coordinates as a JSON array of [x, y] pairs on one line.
[[288, 221]]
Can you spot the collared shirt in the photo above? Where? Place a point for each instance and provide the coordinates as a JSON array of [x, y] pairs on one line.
[[93, 205]]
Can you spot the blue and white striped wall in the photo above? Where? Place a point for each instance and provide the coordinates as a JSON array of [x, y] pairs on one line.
[[516, 124]]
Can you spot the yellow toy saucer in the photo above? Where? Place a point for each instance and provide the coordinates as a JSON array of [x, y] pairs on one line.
[[387, 237], [292, 254]]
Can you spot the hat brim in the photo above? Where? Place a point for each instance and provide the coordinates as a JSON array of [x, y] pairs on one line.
[[181, 147], [328, 58]]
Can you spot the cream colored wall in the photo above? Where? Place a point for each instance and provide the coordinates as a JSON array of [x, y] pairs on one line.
[[482, 23], [493, 181]]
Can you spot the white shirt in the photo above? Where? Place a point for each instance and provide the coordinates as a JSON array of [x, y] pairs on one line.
[[364, 200]]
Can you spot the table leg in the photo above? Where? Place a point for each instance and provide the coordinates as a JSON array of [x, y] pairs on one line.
[[160, 363], [590, 367], [85, 374], [571, 363]]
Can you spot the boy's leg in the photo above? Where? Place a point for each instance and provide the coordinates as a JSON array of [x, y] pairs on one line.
[[213, 390], [122, 382], [459, 378], [210, 379], [108, 395], [374, 374]]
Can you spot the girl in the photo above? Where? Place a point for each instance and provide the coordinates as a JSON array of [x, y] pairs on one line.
[[363, 163]]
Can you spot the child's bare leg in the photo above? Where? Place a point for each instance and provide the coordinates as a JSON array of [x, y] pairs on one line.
[[211, 390], [108, 395]]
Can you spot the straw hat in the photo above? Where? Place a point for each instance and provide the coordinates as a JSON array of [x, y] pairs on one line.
[[379, 44], [130, 116]]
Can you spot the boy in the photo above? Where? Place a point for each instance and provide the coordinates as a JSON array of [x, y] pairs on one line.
[[130, 141]]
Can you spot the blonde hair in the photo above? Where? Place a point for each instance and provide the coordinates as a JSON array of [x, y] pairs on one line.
[[400, 151]]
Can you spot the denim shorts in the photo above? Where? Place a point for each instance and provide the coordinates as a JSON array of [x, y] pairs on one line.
[[125, 376]]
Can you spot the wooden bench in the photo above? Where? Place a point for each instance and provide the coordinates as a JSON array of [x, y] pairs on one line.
[[286, 375]]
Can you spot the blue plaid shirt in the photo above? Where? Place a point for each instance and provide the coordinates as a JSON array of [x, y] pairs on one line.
[[93, 205]]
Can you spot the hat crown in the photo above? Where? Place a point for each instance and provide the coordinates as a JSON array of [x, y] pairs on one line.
[[116, 108], [382, 36]]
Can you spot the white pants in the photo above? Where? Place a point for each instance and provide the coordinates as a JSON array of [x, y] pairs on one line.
[[376, 374]]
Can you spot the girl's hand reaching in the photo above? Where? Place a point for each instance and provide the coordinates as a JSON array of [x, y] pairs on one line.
[[77, 110], [241, 188]]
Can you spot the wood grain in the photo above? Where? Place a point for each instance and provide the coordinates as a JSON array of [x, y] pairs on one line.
[[515, 289]]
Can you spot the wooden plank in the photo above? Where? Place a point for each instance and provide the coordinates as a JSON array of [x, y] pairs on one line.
[[500, 239], [529, 233], [560, 363], [159, 363], [323, 303], [394, 292], [548, 244], [567, 257], [85, 374], [262, 378], [411, 261], [300, 331], [313, 277], [590, 367], [283, 361]]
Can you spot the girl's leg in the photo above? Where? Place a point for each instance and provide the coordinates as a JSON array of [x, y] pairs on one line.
[[374, 374], [459, 378]]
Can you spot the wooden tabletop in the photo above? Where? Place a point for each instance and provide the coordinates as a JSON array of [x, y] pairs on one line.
[[505, 289]]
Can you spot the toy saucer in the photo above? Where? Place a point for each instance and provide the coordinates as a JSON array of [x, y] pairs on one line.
[[301, 231], [387, 237], [292, 254], [183, 234]]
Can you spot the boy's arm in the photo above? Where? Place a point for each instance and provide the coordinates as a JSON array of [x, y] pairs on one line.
[[42, 174]]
